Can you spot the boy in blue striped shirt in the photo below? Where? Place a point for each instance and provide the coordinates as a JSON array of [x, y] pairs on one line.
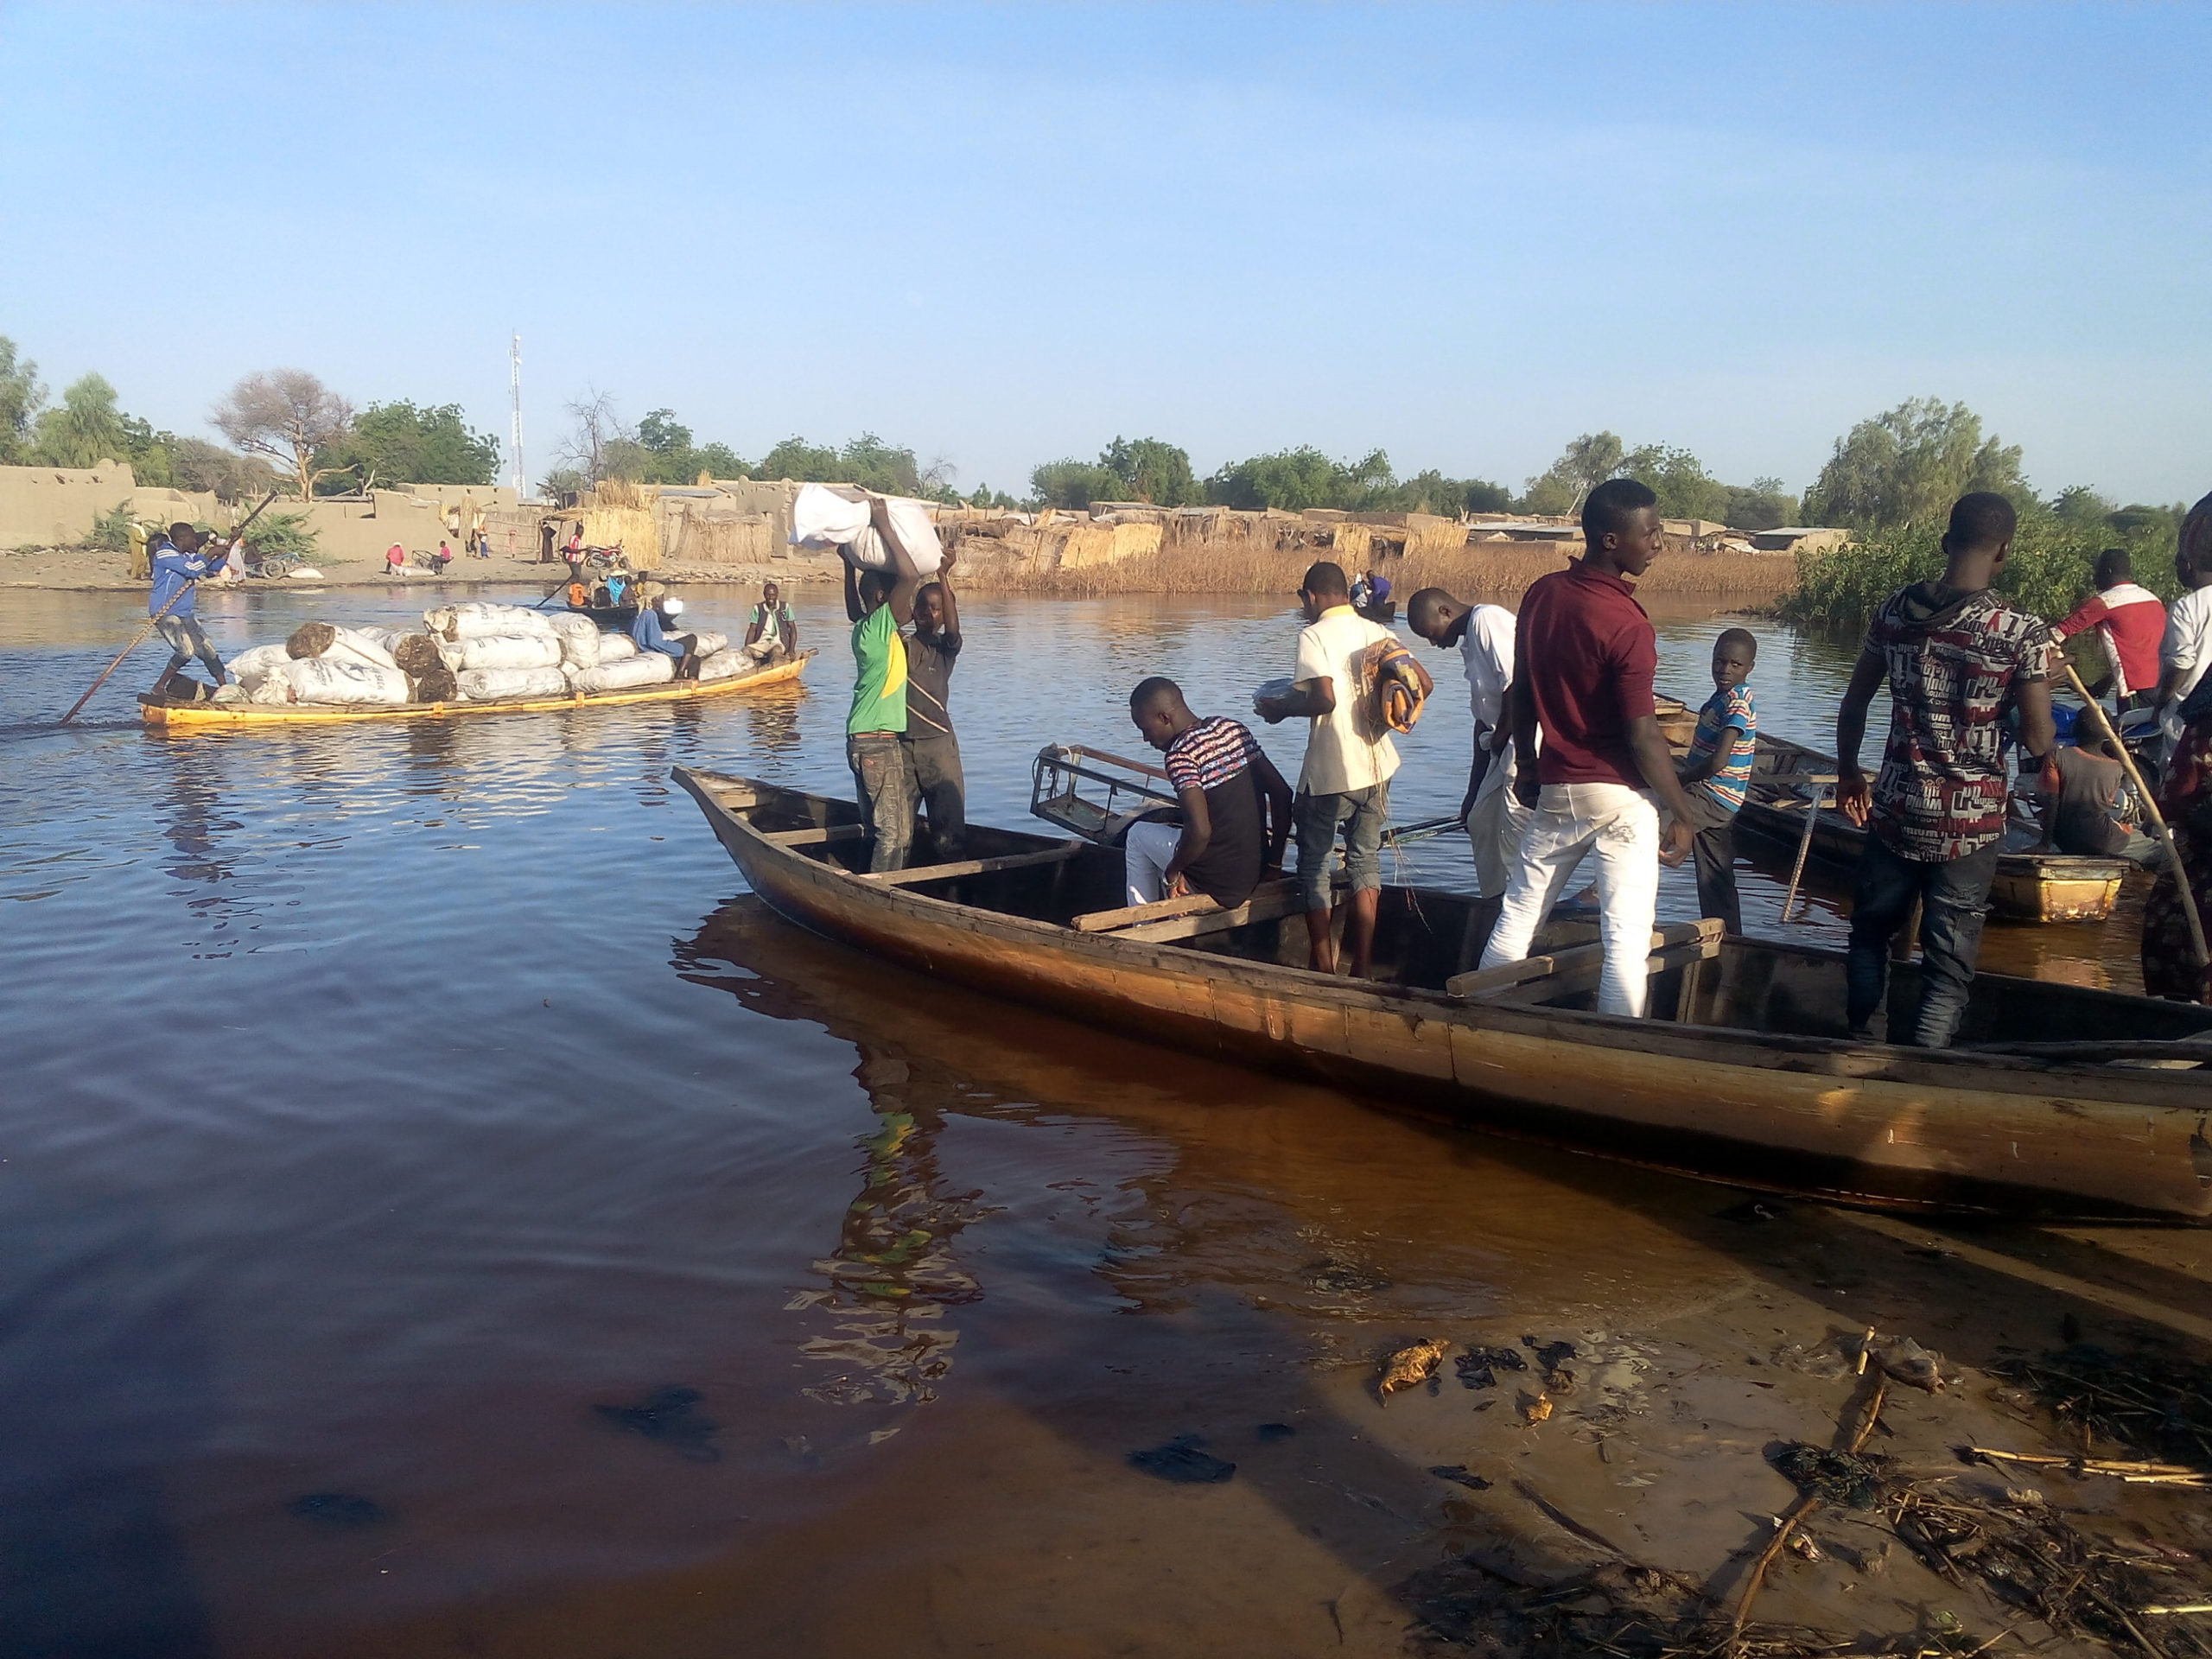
[[1716, 772]]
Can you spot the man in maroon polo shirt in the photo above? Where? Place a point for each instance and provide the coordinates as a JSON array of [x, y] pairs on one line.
[[1604, 771]]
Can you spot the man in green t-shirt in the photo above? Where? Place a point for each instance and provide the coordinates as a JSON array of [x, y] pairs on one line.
[[880, 602]]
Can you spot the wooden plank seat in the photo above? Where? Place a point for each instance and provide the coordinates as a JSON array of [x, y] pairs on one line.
[[1562, 973], [819, 836], [1169, 920], [907, 878]]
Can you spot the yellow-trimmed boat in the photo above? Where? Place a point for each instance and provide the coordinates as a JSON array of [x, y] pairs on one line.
[[232, 716]]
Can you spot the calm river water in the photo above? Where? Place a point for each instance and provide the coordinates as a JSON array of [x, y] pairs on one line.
[[381, 1100]]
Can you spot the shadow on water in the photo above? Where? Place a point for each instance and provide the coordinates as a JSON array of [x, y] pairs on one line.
[[102, 1393], [1288, 1234]]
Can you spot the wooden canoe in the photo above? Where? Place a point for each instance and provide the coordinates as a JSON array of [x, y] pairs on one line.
[[232, 716], [1744, 1074], [2030, 887]]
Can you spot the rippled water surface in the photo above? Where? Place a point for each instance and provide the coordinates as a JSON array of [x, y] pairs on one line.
[[379, 1100]]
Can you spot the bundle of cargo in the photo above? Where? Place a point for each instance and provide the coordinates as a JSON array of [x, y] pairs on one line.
[[347, 684], [646, 668], [498, 684], [582, 646], [458, 622], [481, 651], [323, 642]]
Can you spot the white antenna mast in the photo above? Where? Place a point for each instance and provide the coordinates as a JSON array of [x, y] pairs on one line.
[[514, 386]]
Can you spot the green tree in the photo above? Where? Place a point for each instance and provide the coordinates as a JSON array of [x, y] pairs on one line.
[[84, 430], [197, 464], [21, 397], [803, 462], [1908, 464], [1075, 484], [1678, 478], [1293, 480], [1483, 496], [1582, 466], [1764, 506], [397, 443], [867, 461], [1152, 470]]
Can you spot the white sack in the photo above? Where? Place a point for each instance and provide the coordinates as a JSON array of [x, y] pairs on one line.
[[353, 684], [363, 645], [504, 651], [490, 684], [616, 647], [647, 668], [579, 637], [820, 518], [709, 641], [725, 664], [256, 663], [476, 618]]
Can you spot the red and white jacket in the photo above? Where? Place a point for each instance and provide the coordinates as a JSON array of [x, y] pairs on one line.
[[2130, 621]]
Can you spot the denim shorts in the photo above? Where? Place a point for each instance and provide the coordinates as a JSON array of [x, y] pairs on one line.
[[1360, 814]]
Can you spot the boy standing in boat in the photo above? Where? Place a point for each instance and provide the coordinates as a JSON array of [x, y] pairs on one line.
[[1493, 815], [179, 562], [1717, 771], [879, 602], [1604, 771], [932, 750], [1955, 655], [1236, 805], [1345, 782]]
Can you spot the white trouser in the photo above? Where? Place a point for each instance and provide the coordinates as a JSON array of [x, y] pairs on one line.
[[1494, 825], [1146, 851], [1621, 826]]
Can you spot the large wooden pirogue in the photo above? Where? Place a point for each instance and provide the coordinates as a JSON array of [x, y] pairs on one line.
[[175, 712], [1743, 1072]]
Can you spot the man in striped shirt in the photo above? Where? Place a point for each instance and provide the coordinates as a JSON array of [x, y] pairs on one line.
[[1236, 805], [932, 750]]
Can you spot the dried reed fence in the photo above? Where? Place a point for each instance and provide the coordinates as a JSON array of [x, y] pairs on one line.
[[1245, 564], [620, 513]]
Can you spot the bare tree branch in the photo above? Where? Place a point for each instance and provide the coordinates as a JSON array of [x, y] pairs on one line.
[[287, 414]]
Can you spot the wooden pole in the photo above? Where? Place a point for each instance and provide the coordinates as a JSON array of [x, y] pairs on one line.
[[237, 531], [1805, 843], [2158, 820]]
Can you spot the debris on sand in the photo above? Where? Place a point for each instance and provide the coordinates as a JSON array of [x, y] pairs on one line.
[[671, 1416], [2154, 1404], [1535, 1407], [1852, 1479], [1479, 1366], [1410, 1367], [1905, 1361], [1267, 1433], [1460, 1472], [1550, 1355], [1181, 1461]]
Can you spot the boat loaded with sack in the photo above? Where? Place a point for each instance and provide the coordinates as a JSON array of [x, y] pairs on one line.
[[463, 659], [2060, 1101]]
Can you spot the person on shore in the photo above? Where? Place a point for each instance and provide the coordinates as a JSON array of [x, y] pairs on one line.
[[932, 750], [880, 602], [179, 563], [1956, 655], [574, 550], [142, 557], [770, 635], [1717, 771], [1492, 813], [2185, 650], [649, 632], [2129, 622], [395, 560], [1585, 656], [546, 534], [1344, 785], [1236, 805], [2079, 786], [443, 557]]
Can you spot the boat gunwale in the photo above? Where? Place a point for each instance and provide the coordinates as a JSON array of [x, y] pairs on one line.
[[205, 714], [1741, 1046]]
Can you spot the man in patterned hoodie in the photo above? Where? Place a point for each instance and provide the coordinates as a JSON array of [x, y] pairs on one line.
[[1957, 656]]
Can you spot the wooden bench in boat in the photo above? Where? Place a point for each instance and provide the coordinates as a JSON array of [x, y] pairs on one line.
[[1168, 919], [909, 877], [1563, 972]]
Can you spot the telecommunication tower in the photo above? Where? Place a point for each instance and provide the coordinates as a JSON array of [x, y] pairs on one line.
[[514, 387]]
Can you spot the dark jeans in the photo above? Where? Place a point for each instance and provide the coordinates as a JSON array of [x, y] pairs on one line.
[[940, 791], [1954, 898], [185, 641], [885, 791], [1714, 851]]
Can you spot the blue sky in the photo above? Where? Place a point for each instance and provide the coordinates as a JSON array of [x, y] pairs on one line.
[[1002, 234]]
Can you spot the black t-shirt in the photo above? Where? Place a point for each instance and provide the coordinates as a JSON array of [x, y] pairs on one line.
[[929, 674], [1215, 756], [2081, 823]]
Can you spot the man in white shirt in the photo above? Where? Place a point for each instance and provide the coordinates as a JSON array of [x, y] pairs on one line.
[[1483, 634], [2186, 651], [1349, 760]]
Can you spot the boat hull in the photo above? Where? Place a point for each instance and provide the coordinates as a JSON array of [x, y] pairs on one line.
[[1860, 1122], [232, 716]]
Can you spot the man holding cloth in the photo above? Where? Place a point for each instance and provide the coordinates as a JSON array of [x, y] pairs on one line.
[[1604, 771], [1493, 817], [1345, 783]]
